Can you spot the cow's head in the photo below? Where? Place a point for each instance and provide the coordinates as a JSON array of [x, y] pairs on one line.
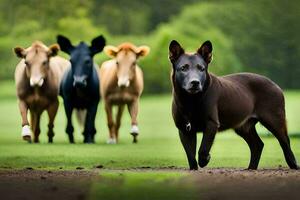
[[37, 58], [81, 58], [190, 70], [126, 56]]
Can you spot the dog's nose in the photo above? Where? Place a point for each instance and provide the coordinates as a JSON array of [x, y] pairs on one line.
[[195, 83]]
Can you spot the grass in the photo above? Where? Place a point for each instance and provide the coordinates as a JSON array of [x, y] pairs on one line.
[[143, 185], [158, 147]]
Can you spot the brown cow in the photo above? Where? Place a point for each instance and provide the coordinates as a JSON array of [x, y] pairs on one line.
[[37, 79], [121, 82]]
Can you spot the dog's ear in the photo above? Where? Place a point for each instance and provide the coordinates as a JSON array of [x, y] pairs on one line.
[[206, 51], [175, 51]]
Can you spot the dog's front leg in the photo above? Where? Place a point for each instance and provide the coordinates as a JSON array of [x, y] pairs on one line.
[[206, 143], [189, 142]]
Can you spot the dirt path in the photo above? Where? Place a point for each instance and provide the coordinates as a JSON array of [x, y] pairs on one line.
[[44, 185], [211, 184], [264, 184]]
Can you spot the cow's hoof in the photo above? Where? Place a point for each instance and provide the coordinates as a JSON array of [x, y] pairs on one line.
[[134, 135], [27, 138], [111, 141], [50, 140], [89, 140], [203, 160]]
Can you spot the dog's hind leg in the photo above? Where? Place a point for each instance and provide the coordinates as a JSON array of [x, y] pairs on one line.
[[189, 142], [276, 124], [249, 134]]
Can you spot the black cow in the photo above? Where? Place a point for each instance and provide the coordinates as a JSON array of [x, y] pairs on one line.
[[80, 85]]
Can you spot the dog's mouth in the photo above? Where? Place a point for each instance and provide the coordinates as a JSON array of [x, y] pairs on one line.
[[194, 90]]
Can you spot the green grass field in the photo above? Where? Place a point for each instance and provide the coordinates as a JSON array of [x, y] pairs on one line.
[[158, 147]]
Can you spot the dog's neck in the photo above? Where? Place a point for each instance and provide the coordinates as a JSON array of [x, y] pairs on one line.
[[187, 103]]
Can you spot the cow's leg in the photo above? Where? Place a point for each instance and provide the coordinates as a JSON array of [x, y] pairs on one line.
[[133, 108], [276, 124], [69, 128], [52, 110], [35, 124], [249, 134], [189, 142], [26, 130], [89, 126], [110, 124], [206, 143], [118, 120]]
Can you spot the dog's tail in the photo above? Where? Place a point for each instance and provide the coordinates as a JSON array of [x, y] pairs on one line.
[[81, 115]]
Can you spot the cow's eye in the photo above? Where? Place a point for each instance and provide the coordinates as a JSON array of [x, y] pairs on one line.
[[117, 63], [87, 62], [45, 62], [184, 67], [27, 63]]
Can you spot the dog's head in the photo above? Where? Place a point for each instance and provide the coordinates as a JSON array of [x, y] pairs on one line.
[[190, 70]]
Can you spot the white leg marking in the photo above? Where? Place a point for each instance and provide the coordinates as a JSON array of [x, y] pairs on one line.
[[134, 129], [26, 131], [111, 141]]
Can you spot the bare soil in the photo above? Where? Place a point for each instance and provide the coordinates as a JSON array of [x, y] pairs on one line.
[[32, 184], [211, 184]]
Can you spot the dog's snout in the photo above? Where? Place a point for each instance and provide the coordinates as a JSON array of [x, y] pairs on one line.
[[195, 83]]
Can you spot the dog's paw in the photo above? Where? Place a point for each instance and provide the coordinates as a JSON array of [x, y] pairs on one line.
[[203, 160]]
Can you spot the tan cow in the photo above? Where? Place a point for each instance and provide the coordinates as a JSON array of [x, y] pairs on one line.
[[37, 78], [121, 83]]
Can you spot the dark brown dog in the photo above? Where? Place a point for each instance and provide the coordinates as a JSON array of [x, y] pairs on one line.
[[203, 102]]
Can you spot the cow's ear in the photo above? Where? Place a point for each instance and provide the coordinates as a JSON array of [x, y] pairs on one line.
[[20, 52], [142, 51], [175, 51], [53, 50], [98, 44], [65, 44], [111, 51], [206, 51]]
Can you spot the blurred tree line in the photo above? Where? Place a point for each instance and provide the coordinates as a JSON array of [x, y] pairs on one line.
[[259, 36]]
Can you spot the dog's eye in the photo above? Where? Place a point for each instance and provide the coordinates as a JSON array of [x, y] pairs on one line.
[[201, 68], [184, 68]]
